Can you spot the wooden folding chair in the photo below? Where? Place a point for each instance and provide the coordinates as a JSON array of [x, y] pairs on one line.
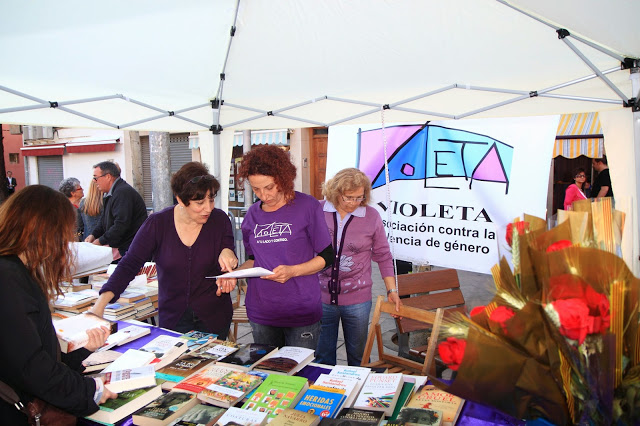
[[394, 363], [239, 311]]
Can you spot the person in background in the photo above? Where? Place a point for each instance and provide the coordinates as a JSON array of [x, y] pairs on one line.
[[575, 191], [31, 270], [11, 183], [602, 183], [72, 189], [91, 209], [189, 242], [124, 209], [284, 232], [358, 238]]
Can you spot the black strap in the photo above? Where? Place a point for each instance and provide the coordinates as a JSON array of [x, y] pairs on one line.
[[10, 396], [334, 282]]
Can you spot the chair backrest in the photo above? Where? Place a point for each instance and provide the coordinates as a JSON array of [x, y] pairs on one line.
[[429, 290]]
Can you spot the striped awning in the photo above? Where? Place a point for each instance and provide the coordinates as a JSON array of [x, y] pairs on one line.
[[263, 137], [579, 134]]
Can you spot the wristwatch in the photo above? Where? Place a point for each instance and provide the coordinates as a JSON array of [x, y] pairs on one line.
[[393, 290]]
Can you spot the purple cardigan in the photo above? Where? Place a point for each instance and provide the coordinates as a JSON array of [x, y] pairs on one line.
[[365, 240], [181, 269]]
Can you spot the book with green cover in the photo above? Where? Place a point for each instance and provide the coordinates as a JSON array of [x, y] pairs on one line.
[[405, 394], [276, 393], [126, 403]]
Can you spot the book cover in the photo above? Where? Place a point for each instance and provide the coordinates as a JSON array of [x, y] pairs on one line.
[[164, 409], [312, 372], [287, 360], [321, 401], [126, 403], [347, 384], [129, 296], [291, 417], [238, 417], [363, 417], [247, 356], [99, 360], [200, 415], [359, 373], [430, 396], [181, 368], [195, 339], [408, 388], [166, 349], [380, 392], [130, 359], [276, 393], [124, 335], [198, 381], [229, 389], [128, 379], [118, 307], [72, 331], [215, 349], [418, 416]]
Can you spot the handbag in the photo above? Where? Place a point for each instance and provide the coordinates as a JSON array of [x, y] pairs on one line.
[[38, 412]]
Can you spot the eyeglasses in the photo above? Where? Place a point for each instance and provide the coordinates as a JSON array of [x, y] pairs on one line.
[[199, 178], [581, 176], [352, 199], [98, 177]]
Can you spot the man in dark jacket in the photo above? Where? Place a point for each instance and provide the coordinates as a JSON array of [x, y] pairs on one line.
[[124, 209]]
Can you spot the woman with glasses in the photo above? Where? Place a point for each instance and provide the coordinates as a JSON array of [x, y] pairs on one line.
[[189, 242], [576, 191], [285, 233], [357, 238]]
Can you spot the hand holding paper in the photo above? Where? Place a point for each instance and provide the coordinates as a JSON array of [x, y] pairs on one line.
[[245, 273]]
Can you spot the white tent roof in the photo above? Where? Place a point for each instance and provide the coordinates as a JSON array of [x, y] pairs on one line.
[[149, 57]]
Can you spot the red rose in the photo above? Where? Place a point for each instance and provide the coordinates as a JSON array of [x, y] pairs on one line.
[[559, 245], [477, 310], [566, 286], [501, 315], [574, 318], [520, 227], [598, 305], [452, 351]]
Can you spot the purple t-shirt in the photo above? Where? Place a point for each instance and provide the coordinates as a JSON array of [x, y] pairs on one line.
[[293, 234], [181, 269]]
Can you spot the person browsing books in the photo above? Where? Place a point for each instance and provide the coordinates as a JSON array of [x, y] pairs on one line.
[[189, 242], [358, 238], [284, 232], [36, 226]]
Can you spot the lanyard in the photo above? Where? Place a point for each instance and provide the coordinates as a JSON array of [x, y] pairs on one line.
[[334, 282]]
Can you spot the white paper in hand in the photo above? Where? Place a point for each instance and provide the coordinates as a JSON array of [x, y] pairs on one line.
[[245, 273]]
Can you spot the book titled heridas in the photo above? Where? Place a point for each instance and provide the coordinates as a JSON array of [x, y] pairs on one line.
[[276, 393], [126, 403], [287, 360], [322, 401], [205, 376], [291, 417], [430, 396], [229, 389], [347, 384], [164, 409], [72, 331], [418, 417], [129, 379], [247, 356], [380, 392], [238, 417], [200, 415]]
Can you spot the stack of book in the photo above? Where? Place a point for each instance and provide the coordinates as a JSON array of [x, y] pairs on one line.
[[73, 303], [119, 311]]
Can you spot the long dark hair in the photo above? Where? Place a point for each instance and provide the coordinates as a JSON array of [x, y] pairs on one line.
[[576, 172], [37, 223]]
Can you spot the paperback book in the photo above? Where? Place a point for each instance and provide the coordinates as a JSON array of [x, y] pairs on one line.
[[348, 385], [321, 401], [99, 360], [276, 393], [363, 417], [164, 409], [238, 417], [129, 379], [430, 396], [229, 389], [287, 360], [200, 415], [72, 331], [358, 373], [132, 358], [195, 339], [380, 392], [124, 335], [215, 349], [291, 417], [418, 416], [114, 410], [166, 349], [181, 368], [205, 376], [247, 356]]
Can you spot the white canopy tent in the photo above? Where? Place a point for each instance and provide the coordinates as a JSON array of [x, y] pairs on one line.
[[158, 64]]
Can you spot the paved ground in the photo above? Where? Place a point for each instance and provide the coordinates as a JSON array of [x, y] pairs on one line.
[[477, 290]]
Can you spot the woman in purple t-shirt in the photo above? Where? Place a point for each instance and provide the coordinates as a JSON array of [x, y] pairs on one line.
[[358, 238], [285, 232]]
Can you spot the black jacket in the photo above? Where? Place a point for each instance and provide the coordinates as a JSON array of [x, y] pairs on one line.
[[29, 349], [123, 214]]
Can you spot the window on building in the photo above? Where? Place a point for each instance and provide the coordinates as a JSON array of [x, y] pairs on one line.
[[14, 158]]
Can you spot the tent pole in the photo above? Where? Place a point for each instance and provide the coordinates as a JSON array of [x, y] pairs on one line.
[[635, 90]]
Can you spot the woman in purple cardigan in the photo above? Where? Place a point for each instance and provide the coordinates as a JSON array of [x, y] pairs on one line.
[[189, 242], [358, 238]]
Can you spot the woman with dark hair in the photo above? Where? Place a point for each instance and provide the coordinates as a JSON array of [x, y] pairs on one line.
[[189, 242], [36, 226], [285, 232], [358, 239], [575, 191]]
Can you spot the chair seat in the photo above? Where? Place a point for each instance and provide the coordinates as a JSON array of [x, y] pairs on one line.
[[240, 314]]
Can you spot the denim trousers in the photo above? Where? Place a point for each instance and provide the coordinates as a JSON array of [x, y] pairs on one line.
[[355, 327], [304, 337]]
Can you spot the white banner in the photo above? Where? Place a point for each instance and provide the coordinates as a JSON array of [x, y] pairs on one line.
[[454, 185]]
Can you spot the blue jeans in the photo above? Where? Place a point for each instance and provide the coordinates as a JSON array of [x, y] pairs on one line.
[[355, 327], [304, 337]]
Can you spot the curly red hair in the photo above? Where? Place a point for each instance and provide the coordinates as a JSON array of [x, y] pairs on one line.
[[269, 160]]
